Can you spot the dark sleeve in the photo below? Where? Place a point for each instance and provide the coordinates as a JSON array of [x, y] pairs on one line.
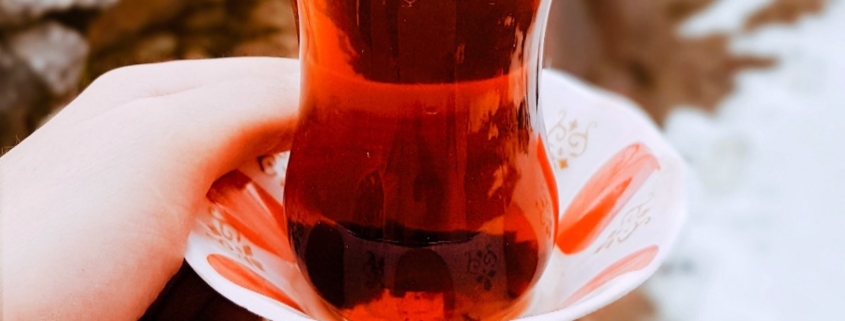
[[188, 298]]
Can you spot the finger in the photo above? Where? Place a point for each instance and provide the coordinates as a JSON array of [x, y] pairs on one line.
[[126, 84], [229, 122]]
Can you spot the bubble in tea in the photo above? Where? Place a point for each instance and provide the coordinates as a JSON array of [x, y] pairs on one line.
[[418, 186]]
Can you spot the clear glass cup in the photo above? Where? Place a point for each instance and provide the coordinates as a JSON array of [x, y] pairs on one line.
[[418, 186]]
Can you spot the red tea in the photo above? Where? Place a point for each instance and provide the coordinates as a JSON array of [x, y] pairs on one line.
[[418, 187]]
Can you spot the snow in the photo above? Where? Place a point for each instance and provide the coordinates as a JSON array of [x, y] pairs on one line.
[[766, 234]]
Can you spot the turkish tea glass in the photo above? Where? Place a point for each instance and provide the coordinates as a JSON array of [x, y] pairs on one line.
[[419, 186]]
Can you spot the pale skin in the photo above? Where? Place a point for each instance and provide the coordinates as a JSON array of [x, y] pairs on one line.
[[96, 206]]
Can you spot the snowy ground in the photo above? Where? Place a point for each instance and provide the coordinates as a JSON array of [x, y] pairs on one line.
[[766, 235]]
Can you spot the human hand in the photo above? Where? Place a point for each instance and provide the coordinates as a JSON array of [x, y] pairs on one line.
[[96, 206]]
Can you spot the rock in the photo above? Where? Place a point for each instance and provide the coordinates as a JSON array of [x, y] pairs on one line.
[[632, 307], [156, 47], [210, 43], [571, 27], [270, 15], [703, 71], [55, 53], [631, 47], [205, 19], [784, 11], [140, 31], [24, 99], [20, 11], [129, 18], [196, 53], [280, 44], [679, 10]]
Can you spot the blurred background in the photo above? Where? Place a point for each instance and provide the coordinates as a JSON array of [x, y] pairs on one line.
[[751, 92]]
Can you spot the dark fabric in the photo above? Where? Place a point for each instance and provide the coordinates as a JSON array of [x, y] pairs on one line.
[[188, 298]]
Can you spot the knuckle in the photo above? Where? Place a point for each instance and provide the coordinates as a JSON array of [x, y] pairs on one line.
[[115, 77]]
